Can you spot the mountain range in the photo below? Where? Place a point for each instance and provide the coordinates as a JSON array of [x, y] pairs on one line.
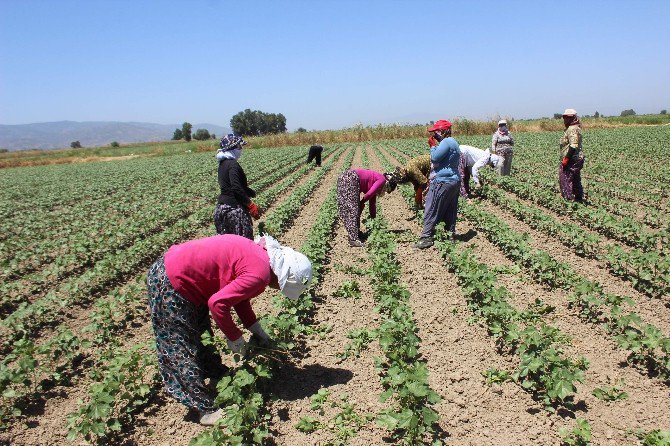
[[54, 135]]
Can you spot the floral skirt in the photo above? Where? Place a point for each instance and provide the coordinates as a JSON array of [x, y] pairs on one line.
[[183, 361], [233, 220]]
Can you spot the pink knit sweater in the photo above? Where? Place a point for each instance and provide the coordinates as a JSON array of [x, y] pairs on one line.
[[223, 272]]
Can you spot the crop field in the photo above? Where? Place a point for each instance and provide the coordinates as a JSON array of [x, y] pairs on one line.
[[546, 323]]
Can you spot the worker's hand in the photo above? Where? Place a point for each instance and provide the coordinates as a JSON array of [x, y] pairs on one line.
[[238, 345], [259, 333], [564, 162], [254, 211]]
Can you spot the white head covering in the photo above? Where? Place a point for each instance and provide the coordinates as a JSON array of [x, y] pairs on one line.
[[502, 121], [231, 154], [293, 269]]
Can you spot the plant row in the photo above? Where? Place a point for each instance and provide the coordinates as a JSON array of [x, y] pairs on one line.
[[649, 272], [626, 230], [645, 342], [28, 318], [543, 370], [245, 391], [404, 375], [77, 251]]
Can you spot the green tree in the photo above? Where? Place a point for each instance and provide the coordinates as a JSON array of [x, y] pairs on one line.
[[596, 115], [558, 115], [201, 135], [255, 122], [213, 136], [114, 144], [186, 131], [629, 112], [664, 112], [301, 130], [75, 145], [177, 135]]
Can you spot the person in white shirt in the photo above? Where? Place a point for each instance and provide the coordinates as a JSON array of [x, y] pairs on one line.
[[473, 159]]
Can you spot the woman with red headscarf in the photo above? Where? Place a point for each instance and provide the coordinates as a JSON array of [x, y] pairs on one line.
[[572, 158]]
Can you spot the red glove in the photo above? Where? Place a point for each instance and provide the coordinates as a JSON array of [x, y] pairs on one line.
[[432, 142], [254, 211], [564, 162], [418, 197]]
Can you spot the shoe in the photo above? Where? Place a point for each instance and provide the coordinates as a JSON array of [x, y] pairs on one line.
[[356, 243], [209, 419], [424, 242]]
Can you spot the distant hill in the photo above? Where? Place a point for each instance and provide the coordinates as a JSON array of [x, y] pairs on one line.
[[56, 135]]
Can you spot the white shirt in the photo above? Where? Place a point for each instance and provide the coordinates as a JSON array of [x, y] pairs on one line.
[[477, 158]]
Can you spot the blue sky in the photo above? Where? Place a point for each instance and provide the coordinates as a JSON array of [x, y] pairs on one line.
[[329, 64]]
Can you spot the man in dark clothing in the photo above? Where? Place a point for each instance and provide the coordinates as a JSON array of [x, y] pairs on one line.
[[315, 152]]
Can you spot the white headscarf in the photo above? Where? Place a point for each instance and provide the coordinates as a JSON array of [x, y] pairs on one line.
[[233, 154], [293, 269]]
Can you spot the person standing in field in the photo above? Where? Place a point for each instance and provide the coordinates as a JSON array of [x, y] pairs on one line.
[[350, 185], [572, 158], [315, 153], [442, 197], [234, 209], [213, 275], [502, 145], [472, 160], [417, 172]]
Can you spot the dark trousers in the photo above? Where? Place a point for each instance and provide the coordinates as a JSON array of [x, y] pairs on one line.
[[441, 206], [570, 179], [315, 152]]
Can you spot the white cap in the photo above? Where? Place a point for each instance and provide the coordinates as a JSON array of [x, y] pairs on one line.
[[293, 269], [502, 121], [569, 112]]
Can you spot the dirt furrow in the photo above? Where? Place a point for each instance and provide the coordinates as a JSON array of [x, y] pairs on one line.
[[322, 368]]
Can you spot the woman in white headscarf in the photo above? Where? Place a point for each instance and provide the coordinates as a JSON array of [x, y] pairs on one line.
[[502, 144], [214, 275], [234, 209]]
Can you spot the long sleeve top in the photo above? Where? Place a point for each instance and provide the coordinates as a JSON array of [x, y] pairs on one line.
[[418, 170], [475, 159], [445, 158], [572, 139], [371, 183], [235, 190], [223, 272], [502, 144]]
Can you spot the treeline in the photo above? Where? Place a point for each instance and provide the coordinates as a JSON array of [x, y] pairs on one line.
[[185, 133]]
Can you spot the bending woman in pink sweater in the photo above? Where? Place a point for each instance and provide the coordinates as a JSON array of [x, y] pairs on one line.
[[213, 275], [350, 185]]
